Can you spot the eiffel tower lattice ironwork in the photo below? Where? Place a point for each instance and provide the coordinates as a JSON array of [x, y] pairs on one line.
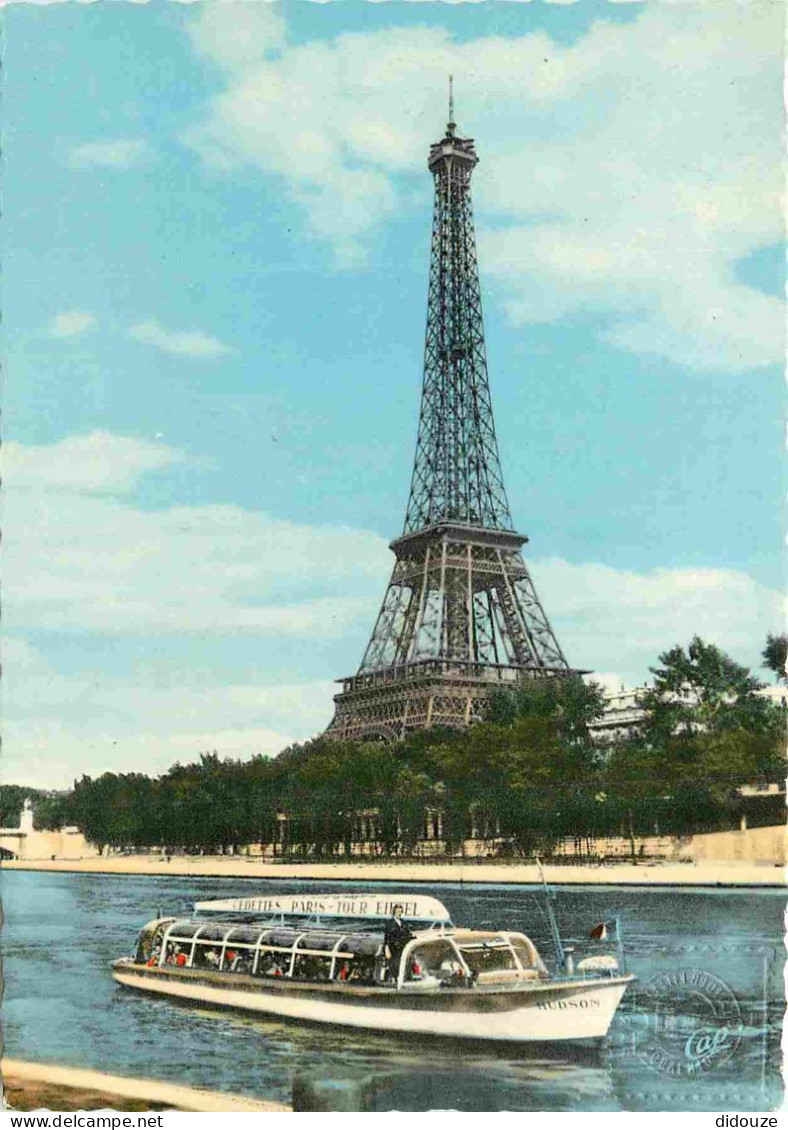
[[461, 614]]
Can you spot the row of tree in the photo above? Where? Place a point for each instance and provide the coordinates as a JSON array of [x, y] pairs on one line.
[[526, 778]]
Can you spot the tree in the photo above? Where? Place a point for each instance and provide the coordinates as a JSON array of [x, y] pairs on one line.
[[572, 704], [706, 732], [775, 656], [701, 689], [52, 811]]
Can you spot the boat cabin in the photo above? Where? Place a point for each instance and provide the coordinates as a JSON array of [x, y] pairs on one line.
[[327, 947]]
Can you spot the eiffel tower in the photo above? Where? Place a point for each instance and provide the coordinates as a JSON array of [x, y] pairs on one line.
[[461, 615]]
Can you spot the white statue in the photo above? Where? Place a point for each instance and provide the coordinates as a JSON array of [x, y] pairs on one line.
[[26, 817]]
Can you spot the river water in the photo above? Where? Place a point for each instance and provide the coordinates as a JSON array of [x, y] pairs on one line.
[[699, 1031]]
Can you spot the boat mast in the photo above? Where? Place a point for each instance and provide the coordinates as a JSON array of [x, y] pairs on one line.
[[549, 895]]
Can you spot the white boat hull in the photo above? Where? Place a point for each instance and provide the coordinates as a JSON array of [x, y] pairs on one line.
[[546, 1011]]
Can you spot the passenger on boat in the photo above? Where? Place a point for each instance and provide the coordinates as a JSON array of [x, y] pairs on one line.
[[212, 958], [362, 970], [270, 966], [175, 955], [396, 937], [451, 972], [242, 963], [311, 968]]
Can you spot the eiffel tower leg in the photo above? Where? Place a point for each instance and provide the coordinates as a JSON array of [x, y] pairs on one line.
[[385, 629], [473, 654], [541, 633], [522, 646], [411, 635], [458, 580]]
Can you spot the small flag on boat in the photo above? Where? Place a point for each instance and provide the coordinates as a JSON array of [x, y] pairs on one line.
[[601, 931]]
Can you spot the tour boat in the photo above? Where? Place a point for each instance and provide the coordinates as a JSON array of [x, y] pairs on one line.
[[322, 959]]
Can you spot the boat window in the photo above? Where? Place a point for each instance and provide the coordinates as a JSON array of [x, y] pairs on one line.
[[207, 954], [237, 960], [366, 944], [318, 941], [149, 942], [244, 935], [434, 959], [177, 954], [308, 967], [272, 964], [283, 937], [484, 957], [529, 958], [144, 946], [213, 931], [361, 970]]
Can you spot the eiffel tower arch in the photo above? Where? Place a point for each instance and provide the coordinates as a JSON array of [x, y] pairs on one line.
[[461, 615]]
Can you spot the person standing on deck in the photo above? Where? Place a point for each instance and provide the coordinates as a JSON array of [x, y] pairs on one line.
[[395, 938]]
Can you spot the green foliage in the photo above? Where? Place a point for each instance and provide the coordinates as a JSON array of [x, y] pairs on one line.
[[703, 689], [52, 811], [705, 733], [569, 702], [775, 656]]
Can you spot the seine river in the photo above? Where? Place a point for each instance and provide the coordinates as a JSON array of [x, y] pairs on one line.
[[705, 1041]]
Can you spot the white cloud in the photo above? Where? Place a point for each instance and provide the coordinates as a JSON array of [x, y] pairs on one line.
[[622, 176], [81, 559], [189, 343], [610, 680], [245, 34], [97, 463], [614, 620], [59, 726], [71, 323], [120, 153]]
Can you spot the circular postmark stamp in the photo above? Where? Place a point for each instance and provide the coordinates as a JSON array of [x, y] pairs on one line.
[[693, 1022]]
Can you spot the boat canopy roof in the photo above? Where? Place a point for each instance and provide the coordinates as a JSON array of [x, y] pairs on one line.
[[421, 908], [230, 934]]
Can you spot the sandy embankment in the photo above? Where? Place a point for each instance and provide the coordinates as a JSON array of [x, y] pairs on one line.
[[36, 1086], [733, 874]]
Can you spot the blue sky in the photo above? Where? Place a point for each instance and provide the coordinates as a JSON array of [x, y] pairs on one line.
[[216, 235]]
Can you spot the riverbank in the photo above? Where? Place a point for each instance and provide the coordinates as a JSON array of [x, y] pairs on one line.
[[652, 874], [46, 1086]]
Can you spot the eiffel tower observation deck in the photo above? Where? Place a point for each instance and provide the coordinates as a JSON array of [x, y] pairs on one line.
[[461, 615]]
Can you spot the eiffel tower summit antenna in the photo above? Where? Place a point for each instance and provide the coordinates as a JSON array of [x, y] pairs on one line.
[[461, 616]]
